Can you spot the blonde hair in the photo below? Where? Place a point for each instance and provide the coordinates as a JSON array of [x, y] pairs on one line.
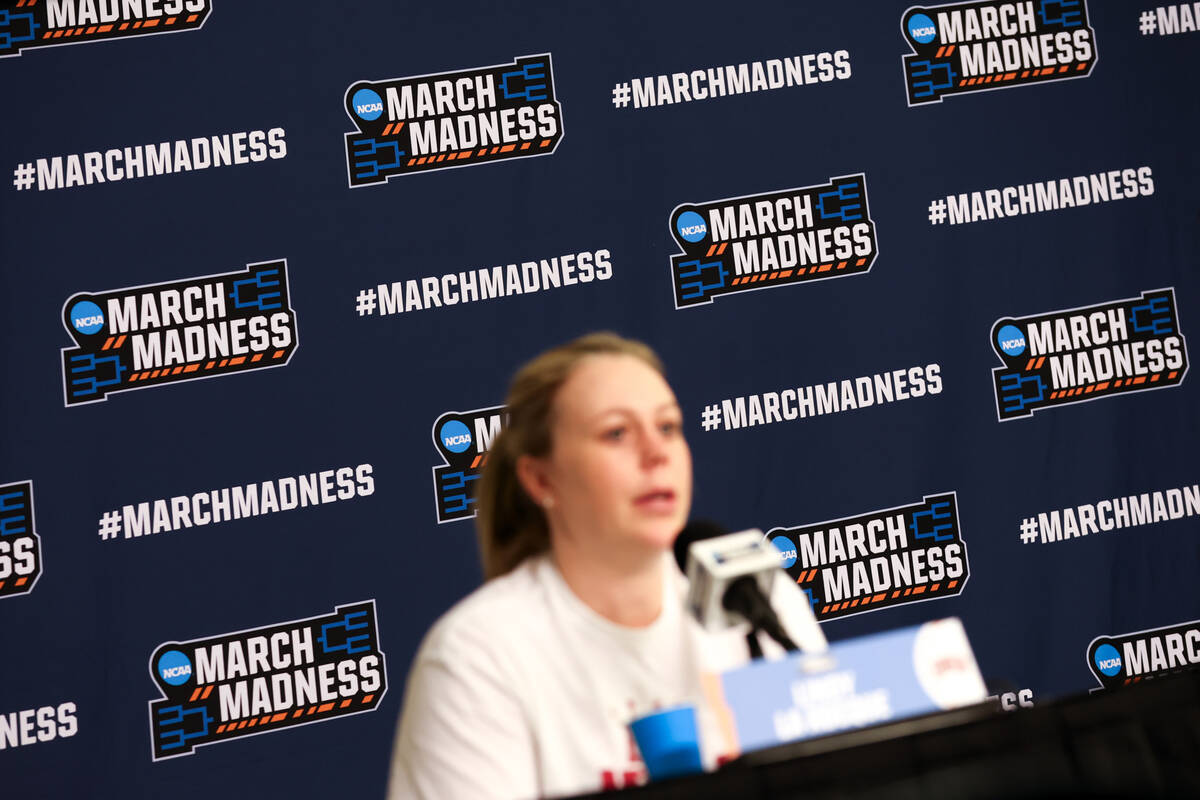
[[510, 524]]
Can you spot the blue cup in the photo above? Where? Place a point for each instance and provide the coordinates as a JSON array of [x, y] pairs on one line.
[[668, 742]]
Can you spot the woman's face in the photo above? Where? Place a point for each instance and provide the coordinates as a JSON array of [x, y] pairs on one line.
[[619, 473]]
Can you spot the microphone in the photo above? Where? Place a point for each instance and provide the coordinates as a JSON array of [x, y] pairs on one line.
[[730, 576]]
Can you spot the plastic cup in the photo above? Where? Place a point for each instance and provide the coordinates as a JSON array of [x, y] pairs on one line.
[[668, 742]]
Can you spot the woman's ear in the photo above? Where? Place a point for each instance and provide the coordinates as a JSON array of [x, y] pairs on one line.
[[534, 475]]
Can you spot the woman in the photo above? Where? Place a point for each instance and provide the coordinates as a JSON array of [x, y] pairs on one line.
[[524, 688]]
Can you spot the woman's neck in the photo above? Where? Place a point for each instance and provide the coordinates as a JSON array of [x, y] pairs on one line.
[[628, 592]]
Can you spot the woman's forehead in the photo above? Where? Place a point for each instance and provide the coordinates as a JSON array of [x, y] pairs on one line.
[[602, 383]]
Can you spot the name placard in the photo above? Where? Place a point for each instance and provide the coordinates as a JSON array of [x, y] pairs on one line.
[[857, 683]]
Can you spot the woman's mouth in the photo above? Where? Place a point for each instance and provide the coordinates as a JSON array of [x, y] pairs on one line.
[[656, 501]]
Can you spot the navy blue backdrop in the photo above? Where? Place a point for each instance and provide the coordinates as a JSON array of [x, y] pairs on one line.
[[338, 221]]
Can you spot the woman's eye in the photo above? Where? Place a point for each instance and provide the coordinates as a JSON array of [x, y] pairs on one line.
[[615, 434], [670, 428]]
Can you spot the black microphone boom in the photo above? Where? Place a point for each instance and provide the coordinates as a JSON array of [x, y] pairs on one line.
[[744, 597]]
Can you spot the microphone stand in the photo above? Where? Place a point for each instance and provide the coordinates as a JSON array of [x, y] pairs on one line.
[[744, 598], [752, 641]]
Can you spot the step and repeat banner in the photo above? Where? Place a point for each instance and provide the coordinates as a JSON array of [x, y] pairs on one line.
[[924, 279]]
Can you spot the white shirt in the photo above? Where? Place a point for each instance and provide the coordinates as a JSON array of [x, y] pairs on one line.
[[521, 690]]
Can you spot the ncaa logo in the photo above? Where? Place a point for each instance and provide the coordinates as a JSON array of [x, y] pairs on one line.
[[367, 104], [921, 28], [86, 317], [1107, 659], [455, 436], [691, 226], [175, 667], [1011, 340], [787, 550]]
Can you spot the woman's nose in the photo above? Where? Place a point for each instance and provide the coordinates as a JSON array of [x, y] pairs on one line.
[[654, 447]]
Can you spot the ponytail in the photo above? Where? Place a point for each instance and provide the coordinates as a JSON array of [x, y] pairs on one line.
[[511, 526]]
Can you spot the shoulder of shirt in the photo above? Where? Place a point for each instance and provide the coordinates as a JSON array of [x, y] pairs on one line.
[[507, 610]]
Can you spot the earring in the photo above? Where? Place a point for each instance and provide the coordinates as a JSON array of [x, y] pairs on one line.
[[547, 502]]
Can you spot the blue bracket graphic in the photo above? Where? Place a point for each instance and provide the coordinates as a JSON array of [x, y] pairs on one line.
[[9, 41], [1067, 13], [374, 157], [1013, 391], [698, 289], [845, 202], [530, 73], [936, 511], [11, 515], [1160, 320], [812, 601], [924, 79], [452, 481], [180, 735], [351, 643], [264, 301], [89, 384]]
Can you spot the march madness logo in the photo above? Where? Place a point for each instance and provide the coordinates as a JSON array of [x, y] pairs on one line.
[[760, 241], [265, 679], [20, 546], [30, 23], [879, 559], [452, 119], [976, 47], [1080, 354], [1130, 657], [159, 333], [463, 439]]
